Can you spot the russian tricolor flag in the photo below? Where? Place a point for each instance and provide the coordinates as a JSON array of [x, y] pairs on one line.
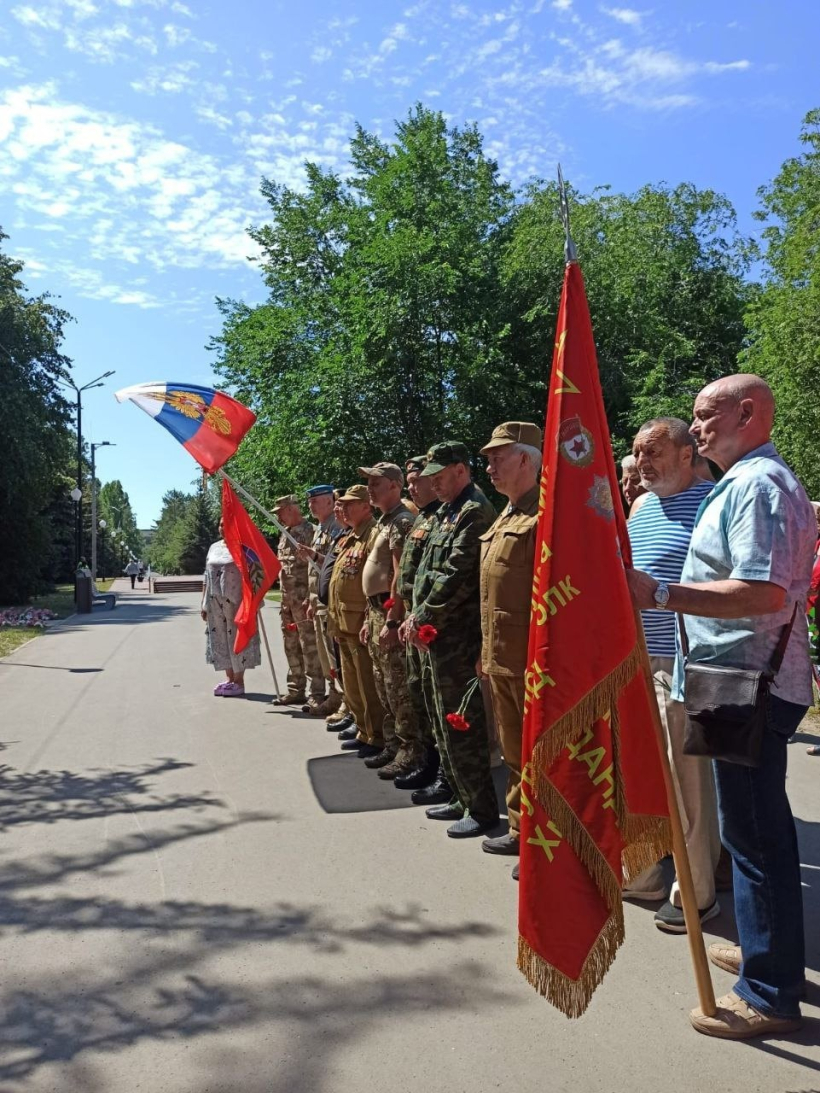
[[208, 423]]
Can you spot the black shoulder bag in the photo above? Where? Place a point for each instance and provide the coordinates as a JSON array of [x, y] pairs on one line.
[[726, 707]]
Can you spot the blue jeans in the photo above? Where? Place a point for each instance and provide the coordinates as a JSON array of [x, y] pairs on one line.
[[757, 828]]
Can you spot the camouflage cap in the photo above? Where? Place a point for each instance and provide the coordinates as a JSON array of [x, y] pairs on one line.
[[415, 463], [515, 432], [356, 493], [289, 499], [446, 454], [383, 470]]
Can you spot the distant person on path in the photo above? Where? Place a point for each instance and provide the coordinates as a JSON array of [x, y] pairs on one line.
[[221, 597], [131, 570]]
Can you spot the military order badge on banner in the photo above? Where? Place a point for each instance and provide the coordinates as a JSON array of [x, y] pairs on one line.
[[594, 808]]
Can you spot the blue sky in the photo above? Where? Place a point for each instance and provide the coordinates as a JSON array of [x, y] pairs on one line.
[[133, 135]]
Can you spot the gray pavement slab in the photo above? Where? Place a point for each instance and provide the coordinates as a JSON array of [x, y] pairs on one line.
[[188, 904]]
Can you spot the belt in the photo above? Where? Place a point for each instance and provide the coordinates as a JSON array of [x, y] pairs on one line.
[[378, 600]]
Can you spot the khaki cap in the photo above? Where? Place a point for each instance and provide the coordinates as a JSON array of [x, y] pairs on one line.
[[515, 432], [356, 493], [289, 499], [383, 470]]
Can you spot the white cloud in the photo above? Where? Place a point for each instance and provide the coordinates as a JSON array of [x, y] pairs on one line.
[[42, 18], [629, 16], [562, 5], [170, 79], [321, 54]]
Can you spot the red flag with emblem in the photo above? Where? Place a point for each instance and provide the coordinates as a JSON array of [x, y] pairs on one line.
[[256, 562], [594, 809]]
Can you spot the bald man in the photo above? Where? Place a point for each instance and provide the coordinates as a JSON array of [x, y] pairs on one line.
[[746, 576]]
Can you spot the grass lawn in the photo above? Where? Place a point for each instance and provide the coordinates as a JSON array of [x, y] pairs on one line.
[[60, 600], [275, 596]]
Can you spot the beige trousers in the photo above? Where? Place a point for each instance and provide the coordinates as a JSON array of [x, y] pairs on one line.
[[695, 789]]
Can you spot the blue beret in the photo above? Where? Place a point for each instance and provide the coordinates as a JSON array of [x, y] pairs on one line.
[[317, 491]]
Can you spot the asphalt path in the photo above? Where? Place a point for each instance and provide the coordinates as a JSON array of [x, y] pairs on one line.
[[203, 895]]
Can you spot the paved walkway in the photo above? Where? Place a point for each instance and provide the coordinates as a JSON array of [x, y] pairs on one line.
[[200, 895]]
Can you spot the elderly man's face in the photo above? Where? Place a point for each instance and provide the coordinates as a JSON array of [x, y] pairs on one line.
[[631, 483], [290, 515], [717, 421], [663, 466], [504, 466], [321, 506], [356, 512], [339, 512]]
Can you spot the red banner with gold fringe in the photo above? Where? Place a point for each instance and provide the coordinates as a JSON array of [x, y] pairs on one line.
[[594, 808]]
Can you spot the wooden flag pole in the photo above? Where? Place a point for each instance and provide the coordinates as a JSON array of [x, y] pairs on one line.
[[270, 658], [683, 871]]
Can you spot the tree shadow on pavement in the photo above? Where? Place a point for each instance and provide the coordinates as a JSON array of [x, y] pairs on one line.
[[167, 992], [47, 796]]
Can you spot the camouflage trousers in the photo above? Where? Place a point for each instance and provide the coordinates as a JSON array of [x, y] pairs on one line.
[[414, 661], [448, 672], [400, 727], [301, 651]]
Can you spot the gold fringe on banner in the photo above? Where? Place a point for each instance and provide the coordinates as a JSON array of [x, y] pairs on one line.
[[572, 996], [647, 839]]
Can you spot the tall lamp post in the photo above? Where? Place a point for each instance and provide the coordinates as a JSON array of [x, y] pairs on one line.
[[79, 392], [100, 444], [103, 526], [76, 497]]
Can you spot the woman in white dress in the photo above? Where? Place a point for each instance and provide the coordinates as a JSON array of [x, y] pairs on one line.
[[221, 597]]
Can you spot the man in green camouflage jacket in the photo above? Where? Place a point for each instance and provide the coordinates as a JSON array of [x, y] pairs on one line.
[[446, 598]]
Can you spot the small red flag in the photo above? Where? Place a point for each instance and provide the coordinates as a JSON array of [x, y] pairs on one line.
[[254, 559], [594, 808]]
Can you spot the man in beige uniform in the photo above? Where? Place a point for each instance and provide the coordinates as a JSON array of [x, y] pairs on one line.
[[298, 634], [347, 606], [321, 503], [507, 554], [385, 614]]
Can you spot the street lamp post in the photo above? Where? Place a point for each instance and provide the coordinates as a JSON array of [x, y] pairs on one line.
[[103, 526], [79, 392], [100, 444]]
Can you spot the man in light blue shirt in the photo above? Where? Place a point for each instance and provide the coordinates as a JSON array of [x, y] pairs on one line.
[[748, 568]]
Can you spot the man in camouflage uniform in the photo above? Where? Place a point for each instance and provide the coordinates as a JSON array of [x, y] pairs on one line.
[[446, 597], [385, 614], [507, 556], [424, 497], [298, 634], [347, 611], [321, 503]]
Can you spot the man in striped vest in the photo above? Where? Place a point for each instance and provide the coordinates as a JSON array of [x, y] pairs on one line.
[[660, 531]]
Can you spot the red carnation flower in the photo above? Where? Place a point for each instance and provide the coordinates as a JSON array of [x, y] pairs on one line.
[[456, 721], [291, 626], [388, 603], [427, 633]]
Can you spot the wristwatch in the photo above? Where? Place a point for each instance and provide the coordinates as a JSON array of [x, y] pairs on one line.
[[662, 595], [392, 624]]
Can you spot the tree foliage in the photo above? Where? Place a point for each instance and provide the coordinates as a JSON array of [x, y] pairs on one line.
[[35, 512], [417, 299], [784, 317], [186, 528]]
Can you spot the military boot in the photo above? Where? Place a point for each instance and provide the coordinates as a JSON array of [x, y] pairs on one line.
[[404, 761], [313, 706], [423, 774], [385, 758], [439, 793], [292, 698]]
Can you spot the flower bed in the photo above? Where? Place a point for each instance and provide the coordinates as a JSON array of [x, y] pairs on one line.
[[26, 617]]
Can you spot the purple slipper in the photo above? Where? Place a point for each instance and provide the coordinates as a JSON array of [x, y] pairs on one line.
[[220, 687], [233, 690]]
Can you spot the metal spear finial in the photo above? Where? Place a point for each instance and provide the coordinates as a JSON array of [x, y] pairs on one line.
[[570, 253]]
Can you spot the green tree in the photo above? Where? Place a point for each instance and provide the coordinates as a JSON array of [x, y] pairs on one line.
[[664, 271], [114, 506], [784, 317], [382, 329], [34, 422]]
